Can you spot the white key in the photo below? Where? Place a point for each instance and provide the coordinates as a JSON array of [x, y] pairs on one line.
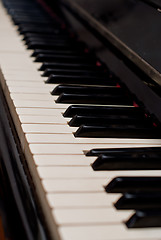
[[38, 90], [29, 84], [56, 138], [25, 96], [65, 148], [85, 216], [57, 148], [46, 128], [22, 78], [42, 119], [87, 172], [62, 160], [79, 185], [39, 111], [82, 200], [32, 103], [108, 232]]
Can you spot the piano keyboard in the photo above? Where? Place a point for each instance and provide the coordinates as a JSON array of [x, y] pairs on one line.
[[74, 190]]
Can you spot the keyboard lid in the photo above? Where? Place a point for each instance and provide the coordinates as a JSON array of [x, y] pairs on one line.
[[132, 27]]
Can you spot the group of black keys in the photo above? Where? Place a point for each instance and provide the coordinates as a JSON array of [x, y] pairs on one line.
[[104, 108]]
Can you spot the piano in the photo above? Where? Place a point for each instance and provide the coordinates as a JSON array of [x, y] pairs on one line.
[[80, 133]]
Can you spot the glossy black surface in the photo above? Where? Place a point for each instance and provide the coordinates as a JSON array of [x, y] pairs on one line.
[[143, 219], [127, 162], [100, 111], [139, 201], [85, 80], [79, 120], [134, 23], [118, 131], [99, 151], [134, 184]]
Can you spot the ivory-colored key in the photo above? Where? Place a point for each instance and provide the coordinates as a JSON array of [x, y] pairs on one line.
[[108, 232], [23, 78], [79, 185], [65, 148], [46, 128], [39, 111], [43, 119], [31, 96], [29, 84], [82, 200], [88, 172], [39, 90], [32, 103], [62, 160], [56, 138], [85, 216]]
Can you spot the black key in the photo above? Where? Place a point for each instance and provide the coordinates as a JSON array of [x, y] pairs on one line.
[[74, 72], [80, 80], [37, 25], [134, 184], [22, 26], [103, 99], [56, 52], [81, 89], [118, 131], [77, 120], [69, 66], [31, 14], [62, 46], [18, 20], [62, 35], [48, 41], [139, 201], [144, 219], [63, 58], [102, 111], [40, 30], [99, 151], [127, 162], [20, 12]]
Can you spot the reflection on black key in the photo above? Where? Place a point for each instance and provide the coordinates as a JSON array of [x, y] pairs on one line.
[[43, 45], [37, 25], [40, 30], [81, 80], [103, 99], [118, 131], [18, 20], [77, 120], [99, 151], [74, 72], [102, 111], [61, 58], [139, 201], [48, 40], [23, 26], [127, 162], [81, 89], [47, 51], [69, 66], [143, 219], [134, 184], [63, 35]]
